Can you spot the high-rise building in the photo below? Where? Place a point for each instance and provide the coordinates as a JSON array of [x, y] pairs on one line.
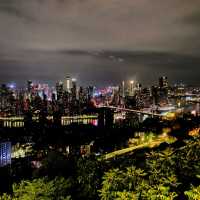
[[163, 82], [163, 90], [138, 89], [59, 90], [146, 97], [74, 89], [105, 117], [90, 92], [67, 84], [131, 88], [155, 95], [82, 96], [29, 85], [123, 89]]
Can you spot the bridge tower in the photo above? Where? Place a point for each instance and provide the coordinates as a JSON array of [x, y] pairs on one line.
[[105, 117]]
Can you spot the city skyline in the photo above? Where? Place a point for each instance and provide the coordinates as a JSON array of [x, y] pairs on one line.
[[133, 80], [99, 42], [99, 99]]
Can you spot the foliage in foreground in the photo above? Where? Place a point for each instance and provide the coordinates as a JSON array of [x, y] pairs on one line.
[[40, 189], [194, 193], [165, 175]]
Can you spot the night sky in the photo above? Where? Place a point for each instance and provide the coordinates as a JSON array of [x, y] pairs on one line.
[[100, 41]]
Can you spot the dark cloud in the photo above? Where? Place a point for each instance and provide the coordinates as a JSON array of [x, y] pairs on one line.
[[99, 40], [192, 19], [10, 7], [105, 67]]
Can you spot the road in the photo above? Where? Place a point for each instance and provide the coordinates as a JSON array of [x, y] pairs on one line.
[[151, 144]]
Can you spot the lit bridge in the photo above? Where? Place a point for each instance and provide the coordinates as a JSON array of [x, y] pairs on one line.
[[196, 100], [153, 114], [184, 95]]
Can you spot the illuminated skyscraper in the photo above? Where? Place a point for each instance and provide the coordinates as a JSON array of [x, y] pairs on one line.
[[138, 88], [67, 84], [74, 89], [163, 90], [59, 90], [123, 89], [131, 88]]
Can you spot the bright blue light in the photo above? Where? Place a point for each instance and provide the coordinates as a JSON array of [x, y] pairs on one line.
[[5, 154], [12, 85], [96, 94]]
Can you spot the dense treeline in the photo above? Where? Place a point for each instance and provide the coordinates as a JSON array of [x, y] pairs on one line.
[[168, 174], [172, 173]]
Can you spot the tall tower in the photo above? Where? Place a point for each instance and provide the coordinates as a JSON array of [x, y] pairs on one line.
[[90, 92], [67, 84], [74, 89], [163, 82], [131, 88], [123, 89], [59, 90], [154, 94], [163, 90], [29, 85]]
